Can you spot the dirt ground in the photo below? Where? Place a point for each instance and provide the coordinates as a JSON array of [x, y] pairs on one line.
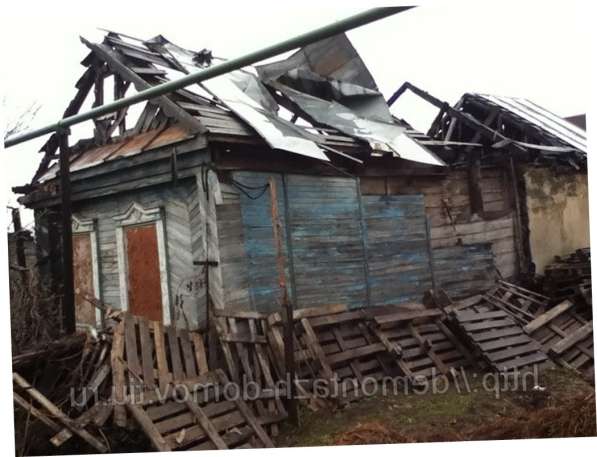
[[563, 406]]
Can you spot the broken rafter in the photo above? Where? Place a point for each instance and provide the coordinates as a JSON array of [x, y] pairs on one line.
[[169, 107], [84, 85], [475, 124], [120, 88]]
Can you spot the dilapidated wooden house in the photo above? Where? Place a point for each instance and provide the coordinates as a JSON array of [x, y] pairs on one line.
[[173, 205]]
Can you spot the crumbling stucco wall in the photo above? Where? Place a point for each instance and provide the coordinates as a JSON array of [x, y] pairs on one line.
[[558, 209]]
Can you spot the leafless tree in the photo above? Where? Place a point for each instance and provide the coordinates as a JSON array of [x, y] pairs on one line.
[[21, 121]]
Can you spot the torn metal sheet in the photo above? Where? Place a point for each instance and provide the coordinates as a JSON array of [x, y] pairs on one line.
[[380, 135], [246, 96], [331, 69], [277, 132], [330, 83]]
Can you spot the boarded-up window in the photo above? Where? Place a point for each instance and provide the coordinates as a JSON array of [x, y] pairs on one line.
[[83, 278], [143, 272]]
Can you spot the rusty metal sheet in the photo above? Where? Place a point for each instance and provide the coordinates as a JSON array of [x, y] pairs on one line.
[[151, 139], [137, 144], [94, 156], [83, 278], [144, 287], [171, 135]]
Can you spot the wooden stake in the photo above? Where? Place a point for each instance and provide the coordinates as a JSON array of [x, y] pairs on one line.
[[68, 290], [19, 243]]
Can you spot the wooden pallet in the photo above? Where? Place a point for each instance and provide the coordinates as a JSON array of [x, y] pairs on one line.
[[203, 420], [307, 364], [522, 304], [249, 360], [333, 344], [421, 344], [501, 341], [148, 355], [346, 348], [566, 337]]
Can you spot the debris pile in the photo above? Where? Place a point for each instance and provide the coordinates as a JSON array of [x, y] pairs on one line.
[[511, 326], [156, 378]]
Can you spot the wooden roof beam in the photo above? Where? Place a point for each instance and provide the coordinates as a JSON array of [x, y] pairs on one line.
[[472, 122], [170, 108]]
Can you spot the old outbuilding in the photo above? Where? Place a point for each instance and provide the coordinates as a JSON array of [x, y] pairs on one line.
[[193, 202]]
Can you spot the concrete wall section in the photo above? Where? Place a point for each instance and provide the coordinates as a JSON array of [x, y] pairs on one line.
[[558, 210]]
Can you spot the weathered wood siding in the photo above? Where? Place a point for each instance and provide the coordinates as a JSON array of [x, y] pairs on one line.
[[258, 246], [397, 248], [463, 270], [183, 278], [327, 242], [447, 205], [340, 247]]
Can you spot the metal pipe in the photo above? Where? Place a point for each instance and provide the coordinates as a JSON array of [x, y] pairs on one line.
[[313, 36]]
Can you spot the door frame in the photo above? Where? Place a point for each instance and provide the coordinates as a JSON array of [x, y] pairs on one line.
[[82, 226], [138, 215]]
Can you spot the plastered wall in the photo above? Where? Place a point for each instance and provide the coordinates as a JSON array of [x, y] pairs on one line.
[[558, 209]]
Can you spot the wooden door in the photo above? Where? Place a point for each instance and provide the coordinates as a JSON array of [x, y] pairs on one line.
[[144, 286], [83, 278]]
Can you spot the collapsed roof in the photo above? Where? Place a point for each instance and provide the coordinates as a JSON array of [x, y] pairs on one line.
[[538, 135], [316, 103], [321, 102]]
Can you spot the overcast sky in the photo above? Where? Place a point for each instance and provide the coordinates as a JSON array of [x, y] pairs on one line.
[[537, 50]]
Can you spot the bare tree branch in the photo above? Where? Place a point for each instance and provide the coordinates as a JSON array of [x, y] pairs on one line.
[[21, 121]]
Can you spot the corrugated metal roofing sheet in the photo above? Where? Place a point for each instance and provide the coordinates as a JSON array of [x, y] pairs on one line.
[[542, 118]]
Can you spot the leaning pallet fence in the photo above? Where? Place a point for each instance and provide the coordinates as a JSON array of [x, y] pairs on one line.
[[148, 355], [250, 361]]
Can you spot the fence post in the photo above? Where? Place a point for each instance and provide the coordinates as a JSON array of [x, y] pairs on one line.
[[68, 289]]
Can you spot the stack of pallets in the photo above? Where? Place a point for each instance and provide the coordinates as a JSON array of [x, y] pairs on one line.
[[569, 278], [155, 366]]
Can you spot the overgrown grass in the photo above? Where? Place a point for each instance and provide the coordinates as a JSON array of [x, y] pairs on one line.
[[566, 407]]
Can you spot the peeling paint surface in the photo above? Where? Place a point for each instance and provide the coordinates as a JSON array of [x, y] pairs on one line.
[[558, 209], [83, 278]]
